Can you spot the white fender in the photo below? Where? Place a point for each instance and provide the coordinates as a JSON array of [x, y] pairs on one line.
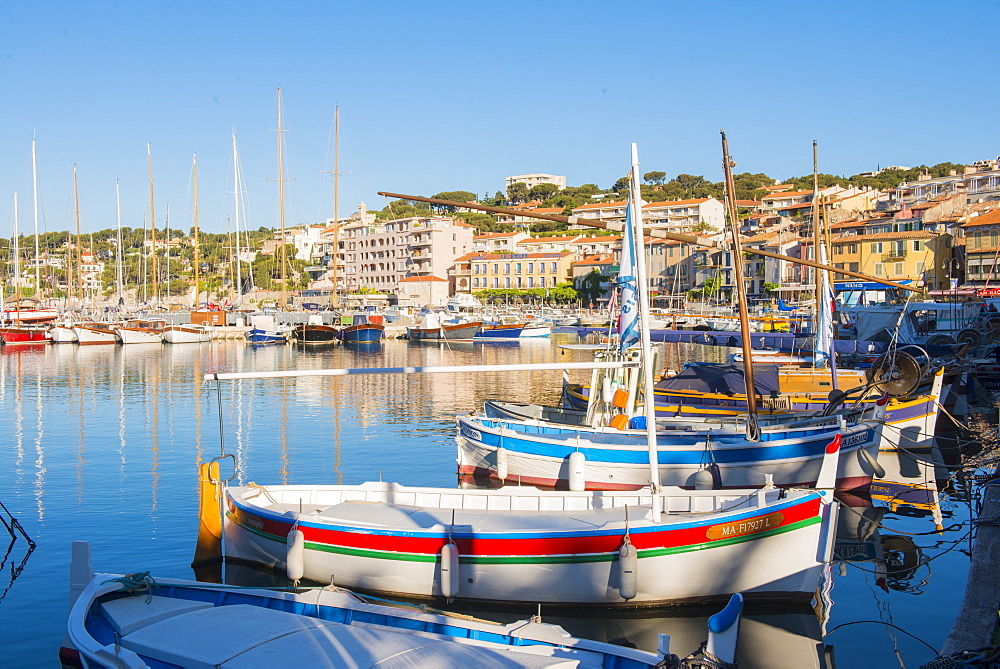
[[628, 570], [703, 480], [577, 471], [295, 557], [607, 390], [502, 463], [449, 570]]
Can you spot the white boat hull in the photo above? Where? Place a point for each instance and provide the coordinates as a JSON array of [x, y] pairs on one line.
[[129, 336], [549, 554], [186, 334], [621, 461], [61, 334], [86, 335]]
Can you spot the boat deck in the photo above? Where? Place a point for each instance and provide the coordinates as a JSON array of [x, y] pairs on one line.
[[414, 510]]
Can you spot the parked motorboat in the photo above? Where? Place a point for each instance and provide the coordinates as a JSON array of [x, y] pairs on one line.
[[96, 332], [141, 331], [191, 333]]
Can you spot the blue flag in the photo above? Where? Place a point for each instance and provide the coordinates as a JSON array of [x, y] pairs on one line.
[[628, 325]]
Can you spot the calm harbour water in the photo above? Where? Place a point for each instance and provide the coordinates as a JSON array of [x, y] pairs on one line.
[[102, 444]]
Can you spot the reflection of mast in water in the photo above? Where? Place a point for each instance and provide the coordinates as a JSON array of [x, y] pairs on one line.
[[18, 426], [154, 487], [80, 458], [121, 422], [39, 451], [284, 432], [336, 430]]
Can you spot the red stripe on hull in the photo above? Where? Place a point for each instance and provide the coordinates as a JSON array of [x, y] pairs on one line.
[[530, 546]]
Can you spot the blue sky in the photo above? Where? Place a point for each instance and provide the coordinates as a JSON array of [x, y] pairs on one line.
[[441, 96]]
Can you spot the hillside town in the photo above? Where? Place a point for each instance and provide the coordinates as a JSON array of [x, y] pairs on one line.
[[941, 234]]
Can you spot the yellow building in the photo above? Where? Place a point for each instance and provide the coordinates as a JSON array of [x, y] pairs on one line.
[[521, 270], [918, 255]]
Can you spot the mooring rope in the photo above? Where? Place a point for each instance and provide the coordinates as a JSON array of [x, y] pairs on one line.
[[137, 583]]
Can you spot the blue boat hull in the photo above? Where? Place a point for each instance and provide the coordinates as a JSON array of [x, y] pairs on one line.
[[362, 333]]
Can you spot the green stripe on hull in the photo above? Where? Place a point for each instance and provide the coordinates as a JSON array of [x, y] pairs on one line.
[[539, 559]]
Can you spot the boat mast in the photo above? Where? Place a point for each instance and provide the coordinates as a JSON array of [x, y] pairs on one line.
[[753, 431], [336, 202], [642, 286], [118, 256], [152, 226], [79, 244], [34, 182], [236, 215], [281, 203], [197, 292], [16, 252], [817, 275]]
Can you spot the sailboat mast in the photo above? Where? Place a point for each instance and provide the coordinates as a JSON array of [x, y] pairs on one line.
[[817, 275], [336, 202], [236, 216], [79, 244], [283, 255], [152, 226], [734, 230], [16, 252], [34, 182], [197, 292], [642, 287], [118, 255]]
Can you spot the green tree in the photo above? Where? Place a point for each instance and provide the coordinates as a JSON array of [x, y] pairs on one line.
[[517, 193], [455, 196], [542, 191], [655, 178]]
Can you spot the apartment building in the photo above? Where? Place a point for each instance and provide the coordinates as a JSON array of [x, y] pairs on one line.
[[495, 242], [982, 249], [531, 180], [916, 255], [683, 215], [521, 270], [672, 215], [379, 254]]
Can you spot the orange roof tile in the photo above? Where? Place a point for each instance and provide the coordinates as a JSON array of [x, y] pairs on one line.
[[674, 203], [989, 218], [791, 193], [601, 205], [422, 279], [907, 234]]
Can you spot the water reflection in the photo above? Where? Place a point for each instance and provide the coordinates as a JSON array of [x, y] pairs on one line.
[[117, 432]]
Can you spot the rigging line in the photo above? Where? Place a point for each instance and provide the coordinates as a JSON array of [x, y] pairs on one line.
[[879, 622]]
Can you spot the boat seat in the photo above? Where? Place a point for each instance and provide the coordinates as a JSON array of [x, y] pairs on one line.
[[249, 636], [129, 614]]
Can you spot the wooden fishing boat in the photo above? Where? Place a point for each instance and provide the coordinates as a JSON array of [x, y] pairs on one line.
[[518, 544], [690, 453], [96, 333], [432, 329], [191, 333], [24, 334], [362, 330], [139, 331], [134, 620], [62, 332], [499, 331], [314, 333]]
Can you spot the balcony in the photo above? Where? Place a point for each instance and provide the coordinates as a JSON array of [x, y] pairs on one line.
[[893, 256]]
